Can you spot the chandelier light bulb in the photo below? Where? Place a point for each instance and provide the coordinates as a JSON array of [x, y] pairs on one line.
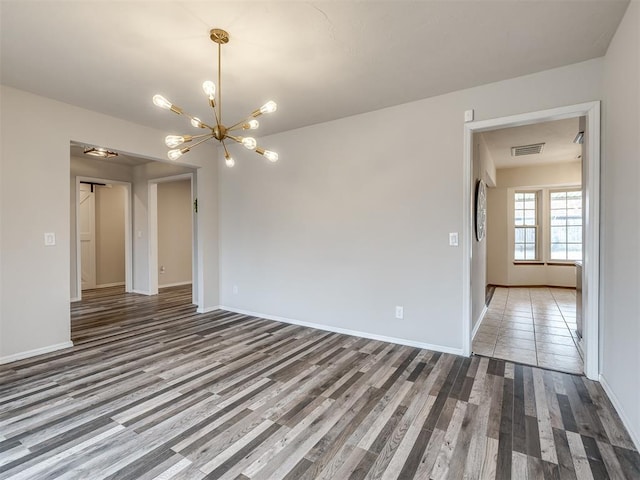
[[271, 156], [174, 154], [210, 89], [251, 124], [160, 101], [249, 143], [269, 107], [172, 141], [229, 161], [196, 122]]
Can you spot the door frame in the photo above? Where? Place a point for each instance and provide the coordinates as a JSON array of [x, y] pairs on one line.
[[153, 234], [128, 239], [92, 252], [591, 192]]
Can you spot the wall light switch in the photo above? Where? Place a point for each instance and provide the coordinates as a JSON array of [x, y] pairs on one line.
[[453, 239], [399, 311], [49, 239], [468, 115]]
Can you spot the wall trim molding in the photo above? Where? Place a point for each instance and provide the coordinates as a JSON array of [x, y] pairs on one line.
[[35, 352], [635, 436], [75, 299], [209, 309], [346, 331], [175, 284], [479, 322], [142, 292], [107, 285]]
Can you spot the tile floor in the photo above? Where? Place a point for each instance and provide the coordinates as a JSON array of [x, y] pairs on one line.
[[535, 326]]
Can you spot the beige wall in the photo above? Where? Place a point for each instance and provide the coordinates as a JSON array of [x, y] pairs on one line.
[[175, 206], [620, 263], [110, 218], [501, 269]]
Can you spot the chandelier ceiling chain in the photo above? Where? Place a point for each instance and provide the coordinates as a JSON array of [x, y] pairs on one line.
[[220, 132]]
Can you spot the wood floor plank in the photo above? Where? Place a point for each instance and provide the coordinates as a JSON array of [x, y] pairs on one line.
[[154, 390]]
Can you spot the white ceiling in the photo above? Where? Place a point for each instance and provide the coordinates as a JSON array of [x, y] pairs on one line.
[[319, 60], [557, 136]]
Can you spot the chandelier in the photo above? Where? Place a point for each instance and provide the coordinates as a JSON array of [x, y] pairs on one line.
[[220, 132]]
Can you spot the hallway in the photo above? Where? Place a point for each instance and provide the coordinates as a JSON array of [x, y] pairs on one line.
[[535, 326]]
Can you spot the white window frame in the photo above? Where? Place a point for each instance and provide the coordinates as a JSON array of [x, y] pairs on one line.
[[548, 236], [537, 226]]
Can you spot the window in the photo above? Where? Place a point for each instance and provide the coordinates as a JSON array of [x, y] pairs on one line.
[[566, 225], [526, 226]]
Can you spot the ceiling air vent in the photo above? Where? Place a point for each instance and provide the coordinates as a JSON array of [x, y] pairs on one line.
[[527, 149]]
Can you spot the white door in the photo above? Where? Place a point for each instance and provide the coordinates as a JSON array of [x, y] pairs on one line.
[[86, 223]]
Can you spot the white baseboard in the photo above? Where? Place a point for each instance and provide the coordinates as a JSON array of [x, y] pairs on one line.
[[32, 353], [75, 299], [479, 322], [634, 434], [208, 309], [346, 331], [107, 285], [176, 284], [141, 292]]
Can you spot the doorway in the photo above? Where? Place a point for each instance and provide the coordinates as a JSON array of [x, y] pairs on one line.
[[473, 277], [172, 209], [103, 234]]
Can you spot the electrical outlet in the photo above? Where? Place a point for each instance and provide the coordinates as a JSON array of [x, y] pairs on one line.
[[49, 239], [235, 289], [399, 311]]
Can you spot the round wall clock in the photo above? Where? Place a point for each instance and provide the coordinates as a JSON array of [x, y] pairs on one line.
[[481, 210]]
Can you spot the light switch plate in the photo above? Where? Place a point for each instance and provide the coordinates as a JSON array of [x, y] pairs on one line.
[[468, 115], [453, 239]]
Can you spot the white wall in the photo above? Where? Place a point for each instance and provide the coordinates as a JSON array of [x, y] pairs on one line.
[[351, 223], [30, 327], [174, 232], [500, 269], [620, 267]]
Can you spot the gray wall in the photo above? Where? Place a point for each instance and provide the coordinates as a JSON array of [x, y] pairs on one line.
[[350, 224], [620, 275]]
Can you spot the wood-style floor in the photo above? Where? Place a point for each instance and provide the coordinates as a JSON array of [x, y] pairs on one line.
[[154, 390]]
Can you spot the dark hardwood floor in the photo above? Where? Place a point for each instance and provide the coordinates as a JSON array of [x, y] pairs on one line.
[[152, 389]]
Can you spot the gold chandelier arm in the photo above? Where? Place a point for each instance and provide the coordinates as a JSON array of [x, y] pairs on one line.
[[219, 117], [226, 152], [234, 138], [208, 135], [202, 124], [238, 125]]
